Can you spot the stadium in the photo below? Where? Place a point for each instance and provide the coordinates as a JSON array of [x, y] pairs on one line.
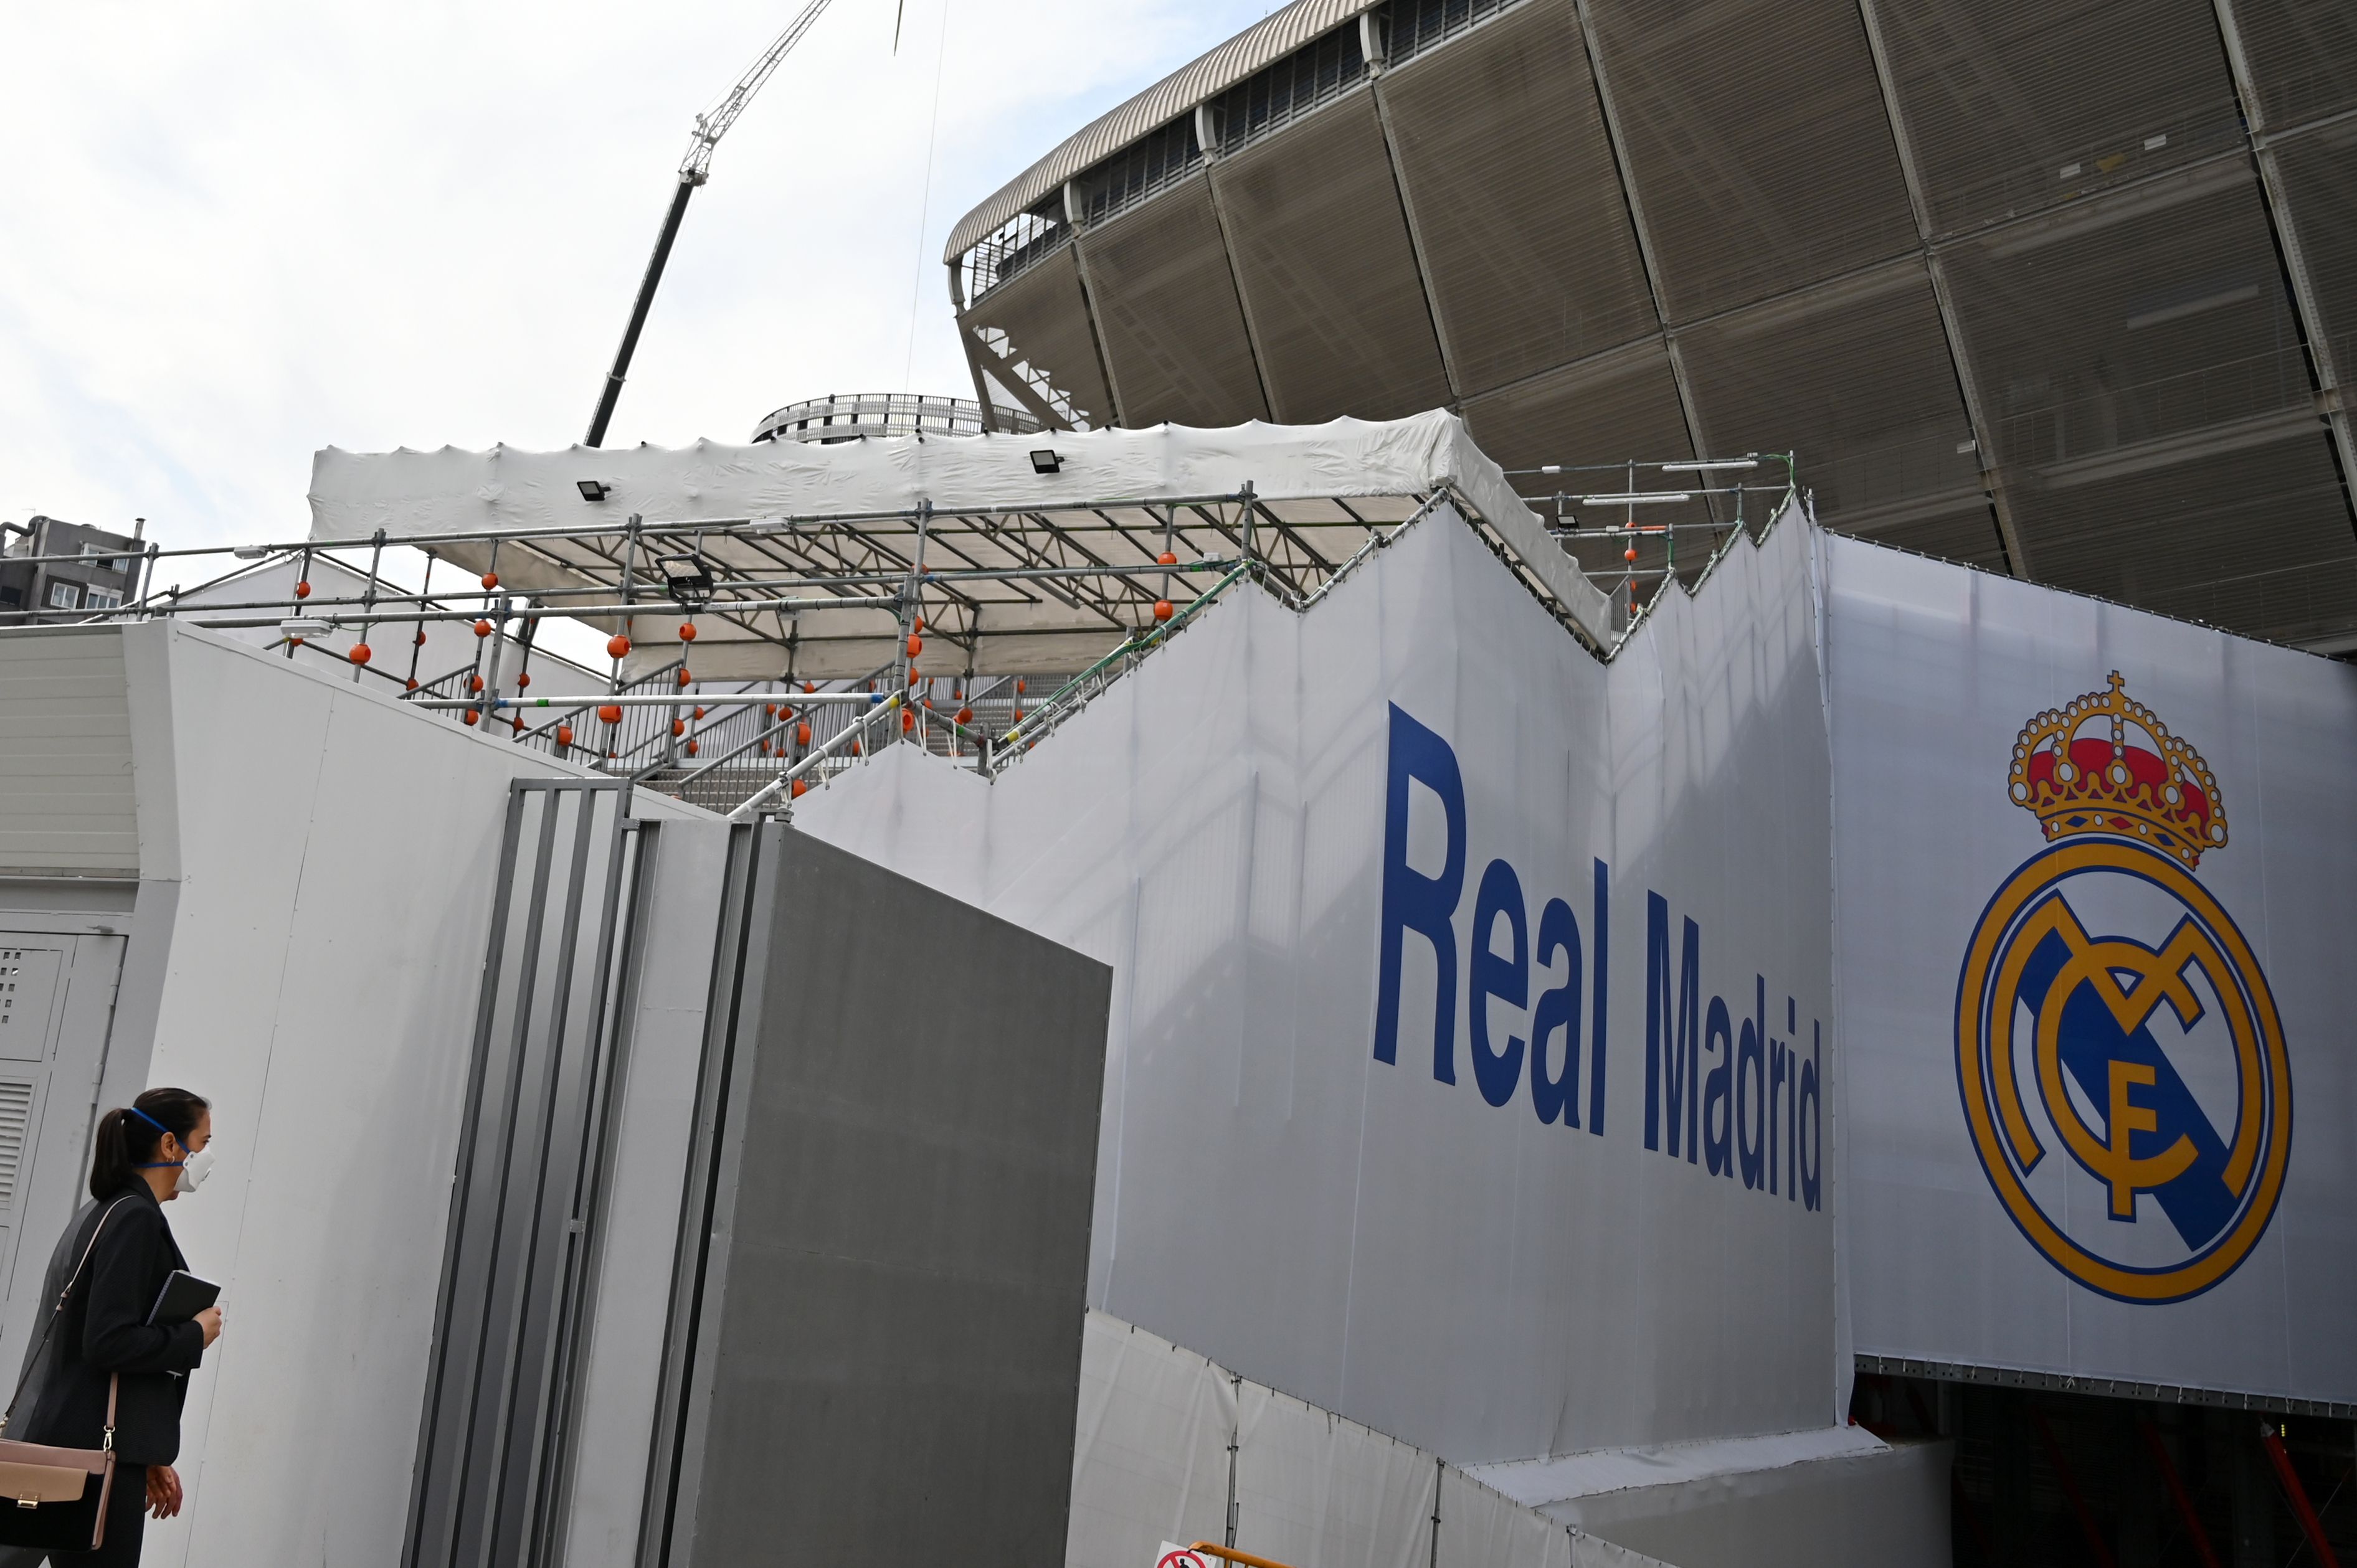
[[1596, 817], [2063, 291]]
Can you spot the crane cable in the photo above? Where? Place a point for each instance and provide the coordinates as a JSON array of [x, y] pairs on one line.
[[925, 203]]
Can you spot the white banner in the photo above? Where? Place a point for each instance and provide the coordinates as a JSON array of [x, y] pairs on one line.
[[2098, 882], [1470, 1063]]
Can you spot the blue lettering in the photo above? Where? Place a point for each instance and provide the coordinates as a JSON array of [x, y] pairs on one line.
[[1507, 978], [1558, 1093], [1751, 1096], [1680, 1076], [1602, 931], [1808, 1158], [1414, 902], [1717, 1102]]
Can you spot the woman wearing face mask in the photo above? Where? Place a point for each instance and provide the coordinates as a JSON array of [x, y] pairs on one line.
[[147, 1154]]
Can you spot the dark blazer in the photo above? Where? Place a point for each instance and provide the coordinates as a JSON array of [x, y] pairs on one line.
[[104, 1330]]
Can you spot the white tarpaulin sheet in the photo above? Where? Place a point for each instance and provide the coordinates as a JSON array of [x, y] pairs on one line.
[[1151, 1476], [1348, 866], [2096, 983], [408, 493]]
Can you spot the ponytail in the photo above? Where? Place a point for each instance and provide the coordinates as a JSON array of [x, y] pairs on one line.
[[125, 1141]]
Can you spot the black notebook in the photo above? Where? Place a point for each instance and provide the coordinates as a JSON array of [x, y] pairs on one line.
[[183, 1296]]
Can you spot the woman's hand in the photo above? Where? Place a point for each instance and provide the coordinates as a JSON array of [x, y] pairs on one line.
[[163, 1491], [209, 1320]]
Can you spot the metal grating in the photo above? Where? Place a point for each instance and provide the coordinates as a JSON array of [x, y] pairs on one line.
[[1151, 164], [1166, 306], [1530, 266], [2302, 55], [1414, 26], [1597, 411], [16, 1121], [1276, 97], [1321, 249], [2013, 106], [2153, 315], [1856, 378], [1266, 41], [2320, 189], [1045, 322], [1756, 138], [1013, 248], [2254, 539]]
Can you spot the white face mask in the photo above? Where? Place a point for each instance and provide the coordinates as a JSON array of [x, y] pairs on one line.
[[193, 1171]]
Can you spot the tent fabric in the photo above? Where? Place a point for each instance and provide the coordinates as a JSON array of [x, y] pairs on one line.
[[410, 494]]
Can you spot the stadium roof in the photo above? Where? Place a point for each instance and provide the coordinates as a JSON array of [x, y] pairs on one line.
[[1266, 41]]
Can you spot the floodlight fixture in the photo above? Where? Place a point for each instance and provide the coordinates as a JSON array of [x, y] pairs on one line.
[[304, 626], [249, 552], [1045, 461], [687, 577], [594, 489]]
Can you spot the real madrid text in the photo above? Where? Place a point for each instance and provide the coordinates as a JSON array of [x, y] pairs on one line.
[[1731, 1089]]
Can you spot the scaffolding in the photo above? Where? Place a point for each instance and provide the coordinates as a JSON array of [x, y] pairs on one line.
[[972, 631]]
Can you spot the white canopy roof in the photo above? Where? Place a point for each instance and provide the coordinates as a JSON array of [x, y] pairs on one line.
[[786, 510]]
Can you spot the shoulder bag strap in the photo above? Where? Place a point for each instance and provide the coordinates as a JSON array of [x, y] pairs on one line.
[[63, 1296]]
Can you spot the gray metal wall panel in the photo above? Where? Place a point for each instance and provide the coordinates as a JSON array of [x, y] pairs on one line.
[[2303, 54], [1857, 378], [2136, 353], [1322, 252], [2017, 105], [1166, 306], [65, 799], [1045, 315], [898, 1347], [2320, 191], [1531, 265], [1756, 136]]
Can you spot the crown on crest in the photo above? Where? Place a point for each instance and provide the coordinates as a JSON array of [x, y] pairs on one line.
[[2106, 764]]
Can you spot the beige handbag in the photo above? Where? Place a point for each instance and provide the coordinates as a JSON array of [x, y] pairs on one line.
[[56, 1497]]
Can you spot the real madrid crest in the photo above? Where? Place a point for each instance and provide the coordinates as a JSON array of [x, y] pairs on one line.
[[2121, 1062]]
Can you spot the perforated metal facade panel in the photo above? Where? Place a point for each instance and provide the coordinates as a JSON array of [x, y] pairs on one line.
[[1166, 306], [2157, 312], [1322, 252], [2303, 55], [1617, 406], [2319, 187], [1531, 266], [2119, 353], [2143, 365], [1756, 135], [1043, 315], [2017, 105], [1854, 374], [2257, 538]]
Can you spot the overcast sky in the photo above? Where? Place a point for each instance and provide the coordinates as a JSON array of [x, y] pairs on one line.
[[233, 233]]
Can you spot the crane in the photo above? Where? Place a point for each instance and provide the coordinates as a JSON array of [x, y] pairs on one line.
[[694, 170]]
